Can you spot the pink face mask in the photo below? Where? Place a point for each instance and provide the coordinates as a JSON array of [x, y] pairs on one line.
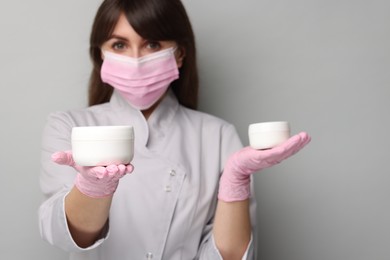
[[141, 81]]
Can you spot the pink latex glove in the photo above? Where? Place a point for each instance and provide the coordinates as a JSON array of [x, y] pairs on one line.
[[95, 182], [235, 180]]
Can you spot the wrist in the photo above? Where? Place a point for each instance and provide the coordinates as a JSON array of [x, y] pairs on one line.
[[233, 188], [95, 187]]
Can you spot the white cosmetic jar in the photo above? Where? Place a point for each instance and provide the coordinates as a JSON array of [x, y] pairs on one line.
[[268, 134], [102, 145]]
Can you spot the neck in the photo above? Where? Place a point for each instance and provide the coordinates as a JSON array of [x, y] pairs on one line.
[[147, 112]]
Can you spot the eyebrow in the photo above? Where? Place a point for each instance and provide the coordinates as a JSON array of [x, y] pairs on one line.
[[114, 36]]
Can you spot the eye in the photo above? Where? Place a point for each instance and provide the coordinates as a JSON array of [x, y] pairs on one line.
[[118, 46], [154, 46]]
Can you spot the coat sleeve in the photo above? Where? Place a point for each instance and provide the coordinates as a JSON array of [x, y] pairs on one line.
[[56, 181], [230, 143], [208, 250]]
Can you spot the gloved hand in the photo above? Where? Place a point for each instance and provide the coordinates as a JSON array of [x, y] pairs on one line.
[[95, 182], [234, 184]]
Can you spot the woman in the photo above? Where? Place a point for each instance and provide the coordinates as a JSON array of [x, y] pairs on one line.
[[188, 196]]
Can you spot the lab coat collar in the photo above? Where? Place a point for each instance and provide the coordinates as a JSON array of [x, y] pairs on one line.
[[156, 127]]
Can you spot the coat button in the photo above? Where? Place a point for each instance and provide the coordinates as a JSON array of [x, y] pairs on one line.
[[168, 188], [172, 173], [149, 256]]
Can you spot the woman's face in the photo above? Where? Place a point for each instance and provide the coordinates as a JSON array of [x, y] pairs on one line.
[[125, 41]]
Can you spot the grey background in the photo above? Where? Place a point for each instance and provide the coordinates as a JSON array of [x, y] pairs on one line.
[[322, 65]]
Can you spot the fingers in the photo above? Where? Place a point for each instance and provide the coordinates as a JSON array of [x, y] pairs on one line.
[[129, 168], [285, 150], [63, 158], [122, 169], [117, 171], [125, 169], [98, 172], [304, 139], [291, 146]]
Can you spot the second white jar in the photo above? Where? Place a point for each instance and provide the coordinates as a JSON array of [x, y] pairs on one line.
[[268, 134]]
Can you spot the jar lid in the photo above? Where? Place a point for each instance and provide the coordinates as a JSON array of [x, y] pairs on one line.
[[269, 126], [102, 133]]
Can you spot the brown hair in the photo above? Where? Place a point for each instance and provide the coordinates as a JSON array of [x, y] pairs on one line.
[[156, 20]]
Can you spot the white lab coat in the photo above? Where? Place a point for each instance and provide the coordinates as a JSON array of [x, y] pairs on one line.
[[165, 208]]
